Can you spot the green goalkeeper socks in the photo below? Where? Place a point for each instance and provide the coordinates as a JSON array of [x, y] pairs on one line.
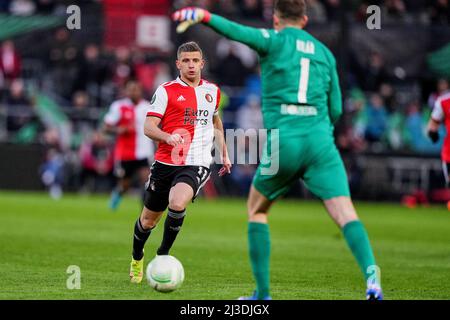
[[259, 249], [358, 241]]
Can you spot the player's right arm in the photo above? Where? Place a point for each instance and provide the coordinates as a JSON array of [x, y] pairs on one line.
[[112, 119], [257, 39], [152, 130], [155, 114]]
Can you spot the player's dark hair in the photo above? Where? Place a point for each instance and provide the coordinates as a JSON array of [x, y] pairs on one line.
[[190, 46], [290, 9]]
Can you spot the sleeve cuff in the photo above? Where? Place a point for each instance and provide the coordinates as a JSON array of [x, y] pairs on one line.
[[110, 123], [154, 114]]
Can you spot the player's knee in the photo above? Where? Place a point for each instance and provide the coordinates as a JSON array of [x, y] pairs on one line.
[[257, 213], [255, 208], [177, 204], [149, 219], [148, 222]]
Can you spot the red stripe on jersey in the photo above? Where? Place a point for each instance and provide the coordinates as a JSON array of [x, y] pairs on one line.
[[218, 99], [126, 142], [154, 114], [179, 117], [445, 104]]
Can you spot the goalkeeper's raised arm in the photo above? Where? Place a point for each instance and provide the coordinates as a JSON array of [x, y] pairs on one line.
[[257, 39]]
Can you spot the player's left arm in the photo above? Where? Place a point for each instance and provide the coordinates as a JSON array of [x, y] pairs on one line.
[[437, 116], [433, 130], [334, 96], [220, 141]]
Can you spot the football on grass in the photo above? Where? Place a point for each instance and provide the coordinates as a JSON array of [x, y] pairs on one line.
[[165, 273]]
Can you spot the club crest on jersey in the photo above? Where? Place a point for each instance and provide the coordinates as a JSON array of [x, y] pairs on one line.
[[208, 98]]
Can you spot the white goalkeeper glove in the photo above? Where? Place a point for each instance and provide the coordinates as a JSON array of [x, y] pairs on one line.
[[190, 16]]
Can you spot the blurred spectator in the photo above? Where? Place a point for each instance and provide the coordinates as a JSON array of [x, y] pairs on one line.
[[123, 70], [231, 70], [162, 75], [150, 74], [243, 170], [80, 115], [374, 72], [63, 56], [3, 88], [395, 136], [52, 170], [377, 118], [97, 162], [361, 11], [93, 71], [440, 12], [207, 4], [17, 96], [415, 124], [251, 9], [19, 106], [332, 9], [249, 115], [22, 7], [228, 8], [267, 9], [442, 86], [353, 124], [388, 94], [316, 11], [247, 56], [4, 5], [394, 11], [242, 175], [10, 61], [45, 6]]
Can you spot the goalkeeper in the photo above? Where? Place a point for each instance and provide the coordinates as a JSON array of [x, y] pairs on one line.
[[300, 97]]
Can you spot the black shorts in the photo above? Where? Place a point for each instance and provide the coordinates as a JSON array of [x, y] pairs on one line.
[[163, 177], [446, 170], [126, 169]]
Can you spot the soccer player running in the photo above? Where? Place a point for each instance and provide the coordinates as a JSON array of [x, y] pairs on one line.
[[300, 97], [133, 149], [183, 119], [441, 114]]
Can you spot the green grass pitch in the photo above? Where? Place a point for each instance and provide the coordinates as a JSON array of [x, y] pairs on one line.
[[40, 238]]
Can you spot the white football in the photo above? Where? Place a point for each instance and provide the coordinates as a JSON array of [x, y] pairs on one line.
[[165, 273]]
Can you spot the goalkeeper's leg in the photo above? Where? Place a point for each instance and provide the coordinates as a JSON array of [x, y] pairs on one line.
[[259, 243], [342, 211], [327, 179]]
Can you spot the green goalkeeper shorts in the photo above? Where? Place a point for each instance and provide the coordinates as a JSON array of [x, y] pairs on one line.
[[312, 158]]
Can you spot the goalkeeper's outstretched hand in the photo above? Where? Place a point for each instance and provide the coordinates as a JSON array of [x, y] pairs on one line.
[[190, 16]]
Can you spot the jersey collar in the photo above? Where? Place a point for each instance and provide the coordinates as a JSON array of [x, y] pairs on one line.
[[184, 84], [292, 30]]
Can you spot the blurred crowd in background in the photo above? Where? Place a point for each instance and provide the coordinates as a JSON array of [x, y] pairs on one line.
[[82, 78]]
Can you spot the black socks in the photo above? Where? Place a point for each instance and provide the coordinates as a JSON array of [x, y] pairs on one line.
[[140, 237], [172, 226]]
